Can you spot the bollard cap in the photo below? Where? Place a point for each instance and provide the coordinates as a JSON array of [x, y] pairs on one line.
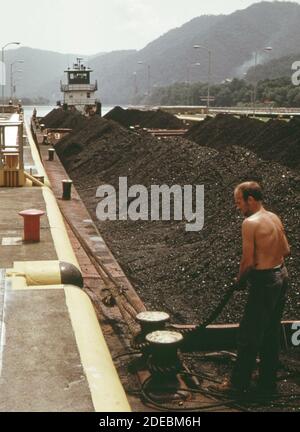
[[152, 317], [67, 181], [31, 212], [164, 338]]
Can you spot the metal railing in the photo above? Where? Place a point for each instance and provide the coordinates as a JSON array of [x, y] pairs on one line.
[[279, 110], [87, 101], [79, 87], [11, 146]]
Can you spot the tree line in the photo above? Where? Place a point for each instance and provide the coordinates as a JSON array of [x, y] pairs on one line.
[[279, 92]]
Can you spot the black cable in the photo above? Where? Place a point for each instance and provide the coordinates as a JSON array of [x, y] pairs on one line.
[[220, 306], [126, 354], [202, 375], [249, 399], [159, 406], [215, 313], [242, 404]]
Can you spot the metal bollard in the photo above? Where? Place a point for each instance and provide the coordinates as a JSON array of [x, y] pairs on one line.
[[67, 186], [39, 178], [51, 153], [31, 224]]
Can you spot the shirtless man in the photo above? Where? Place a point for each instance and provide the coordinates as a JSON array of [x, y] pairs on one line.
[[262, 265]]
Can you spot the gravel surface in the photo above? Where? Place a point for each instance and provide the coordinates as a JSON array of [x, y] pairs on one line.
[[276, 140]]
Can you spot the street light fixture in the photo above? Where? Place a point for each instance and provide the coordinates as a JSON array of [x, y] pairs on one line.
[[209, 72], [148, 75], [3, 69], [11, 75], [266, 49]]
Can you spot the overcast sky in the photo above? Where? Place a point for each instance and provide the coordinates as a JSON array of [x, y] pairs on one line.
[[92, 26]]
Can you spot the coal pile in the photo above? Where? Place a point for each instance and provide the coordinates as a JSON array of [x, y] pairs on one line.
[[275, 140], [59, 118], [145, 119], [183, 273]]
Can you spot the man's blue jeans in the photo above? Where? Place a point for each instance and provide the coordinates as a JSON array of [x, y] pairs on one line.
[[259, 332]]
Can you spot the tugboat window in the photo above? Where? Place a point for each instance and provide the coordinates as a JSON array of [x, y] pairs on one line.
[[78, 78]]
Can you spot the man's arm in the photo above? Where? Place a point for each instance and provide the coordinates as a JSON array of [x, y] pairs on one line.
[[286, 250], [247, 261]]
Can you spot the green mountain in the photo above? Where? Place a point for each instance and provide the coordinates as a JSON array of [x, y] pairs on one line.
[[233, 39], [276, 68]]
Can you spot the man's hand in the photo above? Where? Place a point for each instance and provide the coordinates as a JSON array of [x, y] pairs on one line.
[[240, 284]]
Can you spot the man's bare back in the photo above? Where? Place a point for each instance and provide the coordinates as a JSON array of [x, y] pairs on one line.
[[264, 242], [270, 243]]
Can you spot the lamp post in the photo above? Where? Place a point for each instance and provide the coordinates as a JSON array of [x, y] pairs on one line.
[[148, 75], [189, 66], [209, 72], [266, 49], [11, 75], [3, 69], [14, 83], [135, 87], [189, 71]]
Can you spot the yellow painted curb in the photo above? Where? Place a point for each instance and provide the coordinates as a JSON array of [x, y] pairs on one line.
[[60, 237], [107, 392], [35, 155]]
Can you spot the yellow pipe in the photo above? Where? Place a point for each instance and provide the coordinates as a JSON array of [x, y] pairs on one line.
[[18, 282], [37, 272], [34, 180]]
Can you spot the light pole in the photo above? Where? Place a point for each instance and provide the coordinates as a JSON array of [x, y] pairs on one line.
[[266, 49], [3, 69], [189, 70], [189, 78], [135, 88], [14, 83], [148, 75], [11, 75], [209, 72]]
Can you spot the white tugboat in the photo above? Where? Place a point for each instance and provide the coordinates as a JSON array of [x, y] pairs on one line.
[[79, 93]]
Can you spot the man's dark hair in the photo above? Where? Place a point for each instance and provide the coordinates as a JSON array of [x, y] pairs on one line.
[[250, 189]]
